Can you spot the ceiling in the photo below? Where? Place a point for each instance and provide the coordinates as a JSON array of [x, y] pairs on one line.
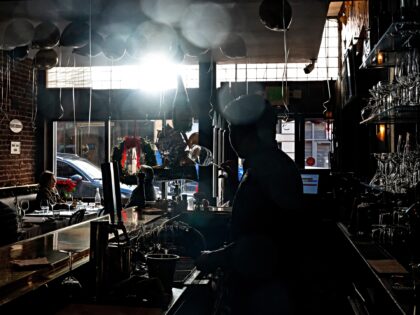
[[262, 45]]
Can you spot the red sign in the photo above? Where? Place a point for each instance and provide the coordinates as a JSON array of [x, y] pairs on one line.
[[310, 161]]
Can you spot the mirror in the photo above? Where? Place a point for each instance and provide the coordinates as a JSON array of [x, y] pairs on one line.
[[76, 178]]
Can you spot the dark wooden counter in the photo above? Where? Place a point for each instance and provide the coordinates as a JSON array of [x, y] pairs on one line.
[[374, 273], [15, 282]]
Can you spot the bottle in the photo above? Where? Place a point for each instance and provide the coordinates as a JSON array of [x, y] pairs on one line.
[[97, 197], [403, 10]]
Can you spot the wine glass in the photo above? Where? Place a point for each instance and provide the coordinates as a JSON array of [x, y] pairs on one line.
[[53, 202], [44, 205], [68, 200], [24, 206], [19, 216], [70, 285]]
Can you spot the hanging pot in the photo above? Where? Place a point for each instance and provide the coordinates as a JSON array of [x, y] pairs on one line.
[[114, 47], [97, 42], [234, 47], [136, 45], [276, 15], [46, 36], [76, 35], [19, 53], [191, 49], [19, 32], [45, 59]]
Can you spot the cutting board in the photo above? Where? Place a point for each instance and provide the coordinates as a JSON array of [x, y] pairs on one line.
[[387, 266]]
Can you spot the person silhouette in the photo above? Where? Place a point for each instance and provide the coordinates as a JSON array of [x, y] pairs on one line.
[[266, 211], [47, 189]]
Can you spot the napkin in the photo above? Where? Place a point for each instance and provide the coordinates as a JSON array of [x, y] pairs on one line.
[[35, 219]]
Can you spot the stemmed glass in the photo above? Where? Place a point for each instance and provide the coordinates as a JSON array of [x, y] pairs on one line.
[[68, 199], [53, 202], [24, 206], [19, 215], [70, 285]]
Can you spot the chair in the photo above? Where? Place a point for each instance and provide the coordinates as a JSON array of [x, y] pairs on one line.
[[77, 217], [101, 212]]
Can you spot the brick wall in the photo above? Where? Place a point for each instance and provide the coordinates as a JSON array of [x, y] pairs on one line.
[[16, 169]]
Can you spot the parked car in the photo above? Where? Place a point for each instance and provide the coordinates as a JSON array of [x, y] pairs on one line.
[[86, 174]]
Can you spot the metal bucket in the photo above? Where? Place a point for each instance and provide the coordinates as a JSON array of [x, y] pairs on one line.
[[162, 267]]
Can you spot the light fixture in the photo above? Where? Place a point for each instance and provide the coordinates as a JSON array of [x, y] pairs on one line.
[[309, 67], [381, 132], [380, 57]]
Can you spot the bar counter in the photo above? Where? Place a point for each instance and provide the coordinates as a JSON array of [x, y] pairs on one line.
[[380, 282], [30, 264]]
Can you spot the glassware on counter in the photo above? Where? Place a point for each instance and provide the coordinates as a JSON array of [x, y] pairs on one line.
[[44, 204], [68, 200]]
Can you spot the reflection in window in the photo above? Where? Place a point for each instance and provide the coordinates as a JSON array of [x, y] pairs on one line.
[[318, 143], [147, 132], [134, 141]]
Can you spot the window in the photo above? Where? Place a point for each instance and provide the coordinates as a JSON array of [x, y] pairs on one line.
[[326, 66], [313, 151], [286, 137], [86, 141], [115, 77], [318, 143], [64, 170]]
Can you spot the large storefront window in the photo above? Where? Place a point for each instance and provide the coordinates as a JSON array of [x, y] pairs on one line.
[[86, 141], [80, 151]]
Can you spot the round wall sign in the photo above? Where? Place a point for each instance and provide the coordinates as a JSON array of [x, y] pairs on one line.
[[16, 125]]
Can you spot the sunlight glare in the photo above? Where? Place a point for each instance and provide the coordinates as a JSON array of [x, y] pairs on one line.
[[157, 73]]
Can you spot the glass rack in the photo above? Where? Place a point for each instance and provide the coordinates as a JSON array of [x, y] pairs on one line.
[[398, 37], [398, 114]]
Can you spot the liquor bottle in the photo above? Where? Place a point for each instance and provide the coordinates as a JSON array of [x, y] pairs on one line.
[[97, 198], [404, 10]]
